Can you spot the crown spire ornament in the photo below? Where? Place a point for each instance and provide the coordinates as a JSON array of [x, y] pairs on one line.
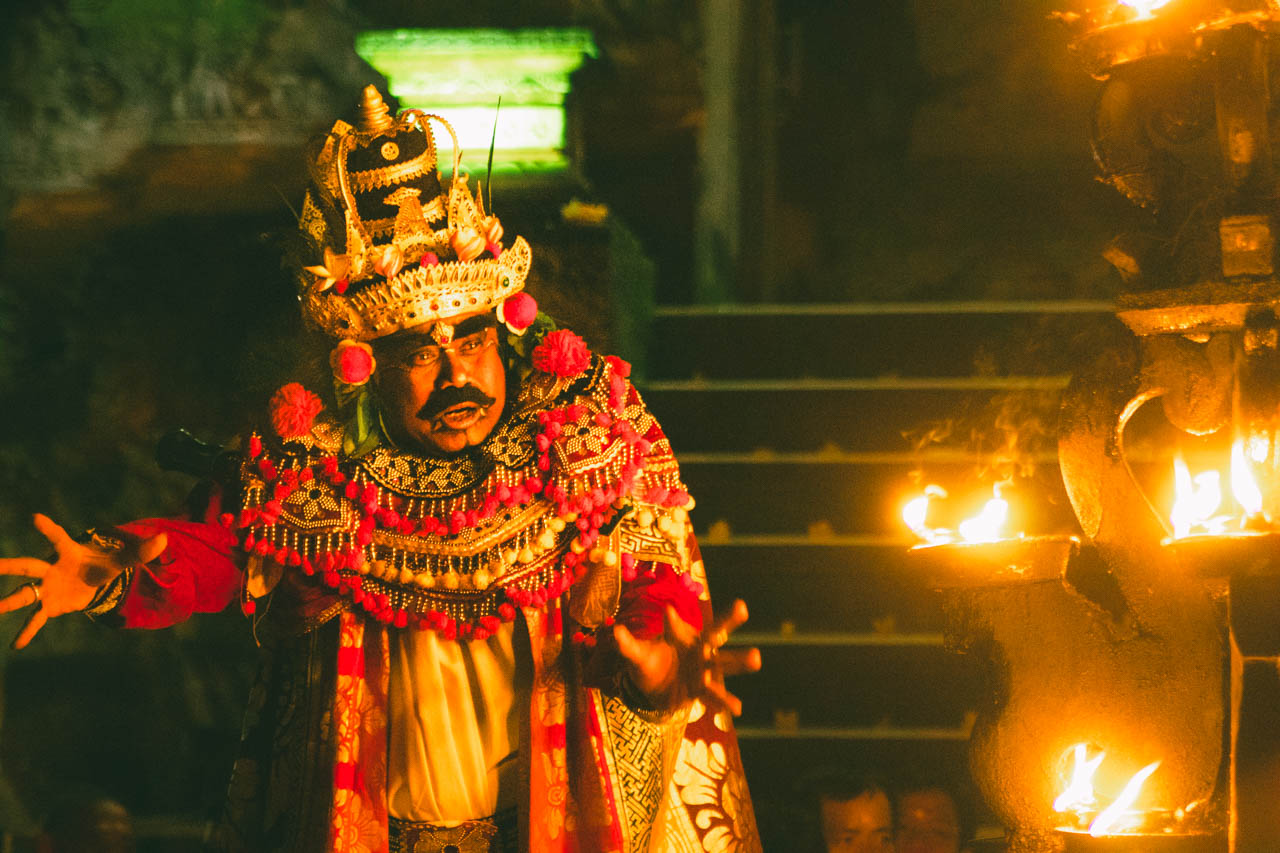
[[375, 115], [390, 245]]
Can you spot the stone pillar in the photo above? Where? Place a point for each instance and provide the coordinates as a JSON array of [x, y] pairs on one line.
[[737, 154], [1255, 713]]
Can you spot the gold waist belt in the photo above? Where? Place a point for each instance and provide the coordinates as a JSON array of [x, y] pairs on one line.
[[496, 834]]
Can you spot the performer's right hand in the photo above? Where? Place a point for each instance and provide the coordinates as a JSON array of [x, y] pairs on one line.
[[69, 584], [683, 664]]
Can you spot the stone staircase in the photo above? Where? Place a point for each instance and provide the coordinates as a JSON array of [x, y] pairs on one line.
[[789, 423]]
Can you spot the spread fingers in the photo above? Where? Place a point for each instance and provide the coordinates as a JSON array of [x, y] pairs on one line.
[[27, 567], [738, 661], [19, 598], [717, 690], [29, 630], [52, 531]]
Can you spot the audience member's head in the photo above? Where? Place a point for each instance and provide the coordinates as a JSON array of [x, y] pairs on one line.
[[87, 823], [854, 812], [930, 818]]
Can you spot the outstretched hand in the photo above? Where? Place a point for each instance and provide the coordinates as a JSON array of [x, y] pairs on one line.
[[683, 664], [68, 584]]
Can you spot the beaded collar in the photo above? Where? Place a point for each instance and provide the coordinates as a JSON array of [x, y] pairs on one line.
[[456, 544]]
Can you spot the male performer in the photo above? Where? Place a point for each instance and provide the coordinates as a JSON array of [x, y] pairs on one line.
[[485, 622]]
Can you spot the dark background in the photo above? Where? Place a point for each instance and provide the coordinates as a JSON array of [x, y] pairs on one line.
[[149, 158]]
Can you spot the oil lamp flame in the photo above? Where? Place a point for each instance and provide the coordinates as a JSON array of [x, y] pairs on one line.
[[1198, 498], [1194, 505], [1144, 8], [1079, 791], [916, 512], [986, 526], [1078, 798], [1114, 813], [1243, 486]]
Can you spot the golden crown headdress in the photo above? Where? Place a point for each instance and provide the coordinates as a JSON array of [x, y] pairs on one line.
[[392, 248]]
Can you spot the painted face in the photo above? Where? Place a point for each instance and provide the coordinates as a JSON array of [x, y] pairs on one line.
[[861, 825], [442, 393], [927, 823]]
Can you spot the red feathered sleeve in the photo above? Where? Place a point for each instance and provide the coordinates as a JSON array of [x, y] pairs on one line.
[[645, 600], [195, 574]]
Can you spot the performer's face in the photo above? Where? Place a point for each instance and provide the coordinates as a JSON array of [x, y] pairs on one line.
[[442, 396]]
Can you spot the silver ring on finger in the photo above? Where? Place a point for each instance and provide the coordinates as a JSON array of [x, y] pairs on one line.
[[35, 592]]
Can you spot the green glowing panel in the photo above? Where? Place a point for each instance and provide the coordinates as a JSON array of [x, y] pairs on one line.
[[460, 74]]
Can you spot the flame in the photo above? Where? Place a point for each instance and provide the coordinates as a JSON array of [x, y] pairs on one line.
[[916, 511], [986, 526], [1078, 796], [1197, 498], [1243, 486], [1113, 813], [1193, 505], [1144, 8], [1079, 791]]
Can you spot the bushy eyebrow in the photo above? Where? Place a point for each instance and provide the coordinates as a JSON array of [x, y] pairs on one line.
[[477, 323]]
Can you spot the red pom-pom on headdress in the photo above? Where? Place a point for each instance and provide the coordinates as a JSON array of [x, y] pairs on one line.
[[562, 353], [293, 410], [518, 312], [352, 362]]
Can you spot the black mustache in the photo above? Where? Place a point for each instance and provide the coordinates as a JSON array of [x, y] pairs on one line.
[[452, 395]]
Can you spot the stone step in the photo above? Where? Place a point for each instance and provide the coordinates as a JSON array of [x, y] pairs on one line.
[[790, 638], [848, 414], [789, 423], [879, 732], [859, 687], [816, 588], [862, 495], [873, 339]]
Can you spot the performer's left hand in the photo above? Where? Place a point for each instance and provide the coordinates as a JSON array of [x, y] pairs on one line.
[[682, 664]]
